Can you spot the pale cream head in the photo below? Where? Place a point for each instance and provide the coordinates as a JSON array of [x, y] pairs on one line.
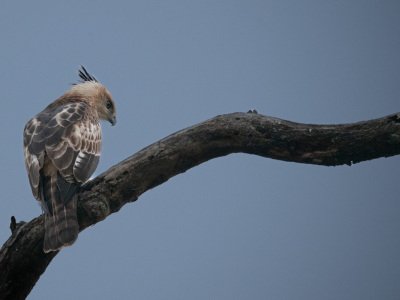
[[99, 97]]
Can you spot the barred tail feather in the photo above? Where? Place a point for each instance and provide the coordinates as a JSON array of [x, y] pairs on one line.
[[61, 228], [61, 222]]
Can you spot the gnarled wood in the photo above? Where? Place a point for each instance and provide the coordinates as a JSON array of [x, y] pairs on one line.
[[22, 260]]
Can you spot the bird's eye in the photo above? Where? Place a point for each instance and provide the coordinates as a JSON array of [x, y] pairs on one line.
[[109, 104]]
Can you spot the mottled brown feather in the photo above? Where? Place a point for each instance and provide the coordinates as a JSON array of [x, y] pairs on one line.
[[62, 150]]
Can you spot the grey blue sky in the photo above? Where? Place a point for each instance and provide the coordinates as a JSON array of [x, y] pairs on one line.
[[238, 227]]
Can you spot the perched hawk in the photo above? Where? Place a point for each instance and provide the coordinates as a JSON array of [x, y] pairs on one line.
[[62, 149]]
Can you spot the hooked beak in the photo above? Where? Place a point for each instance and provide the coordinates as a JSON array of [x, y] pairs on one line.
[[113, 120]]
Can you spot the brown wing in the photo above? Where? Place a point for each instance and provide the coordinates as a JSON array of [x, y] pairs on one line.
[[34, 158], [69, 136]]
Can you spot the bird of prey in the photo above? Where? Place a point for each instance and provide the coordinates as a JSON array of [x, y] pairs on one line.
[[62, 149]]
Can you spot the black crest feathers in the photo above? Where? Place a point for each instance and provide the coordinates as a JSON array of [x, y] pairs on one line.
[[85, 76]]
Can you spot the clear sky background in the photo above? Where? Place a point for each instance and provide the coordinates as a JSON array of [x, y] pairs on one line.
[[238, 227]]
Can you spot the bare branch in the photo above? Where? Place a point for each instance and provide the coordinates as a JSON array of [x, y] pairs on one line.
[[22, 260]]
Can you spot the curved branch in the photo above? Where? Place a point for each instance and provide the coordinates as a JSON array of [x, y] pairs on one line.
[[22, 260]]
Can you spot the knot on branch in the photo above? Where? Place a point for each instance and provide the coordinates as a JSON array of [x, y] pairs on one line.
[[395, 118], [96, 209], [14, 226]]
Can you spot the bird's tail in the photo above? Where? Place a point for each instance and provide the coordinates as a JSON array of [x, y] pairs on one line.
[[61, 222]]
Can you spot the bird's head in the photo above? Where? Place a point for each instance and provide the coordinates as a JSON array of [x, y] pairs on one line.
[[105, 106], [97, 94]]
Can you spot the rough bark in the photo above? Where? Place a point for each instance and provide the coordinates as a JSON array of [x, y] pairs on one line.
[[22, 260]]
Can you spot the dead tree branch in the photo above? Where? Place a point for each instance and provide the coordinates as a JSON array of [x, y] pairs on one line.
[[22, 260]]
